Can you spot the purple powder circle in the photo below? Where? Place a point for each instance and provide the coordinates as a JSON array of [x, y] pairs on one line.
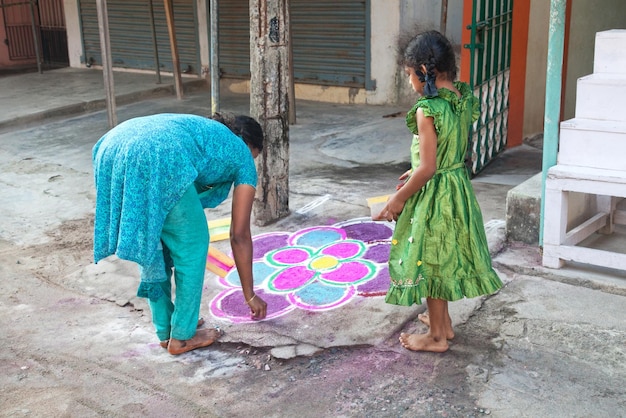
[[378, 253], [368, 231]]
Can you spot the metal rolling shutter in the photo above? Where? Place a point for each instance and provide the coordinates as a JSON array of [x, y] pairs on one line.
[[234, 38], [131, 34], [329, 41]]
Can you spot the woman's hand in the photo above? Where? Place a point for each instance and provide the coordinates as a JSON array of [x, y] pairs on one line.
[[241, 244], [258, 307]]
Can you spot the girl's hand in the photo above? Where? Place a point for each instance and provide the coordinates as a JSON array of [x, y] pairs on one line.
[[258, 307], [391, 211], [403, 179]]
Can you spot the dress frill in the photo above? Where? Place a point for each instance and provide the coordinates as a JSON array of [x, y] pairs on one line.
[[450, 290]]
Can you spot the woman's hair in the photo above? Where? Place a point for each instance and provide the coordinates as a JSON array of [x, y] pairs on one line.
[[244, 127], [434, 51]]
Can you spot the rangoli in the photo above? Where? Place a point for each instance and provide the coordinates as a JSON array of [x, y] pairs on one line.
[[316, 269]]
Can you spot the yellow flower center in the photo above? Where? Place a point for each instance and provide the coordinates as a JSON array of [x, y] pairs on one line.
[[324, 262]]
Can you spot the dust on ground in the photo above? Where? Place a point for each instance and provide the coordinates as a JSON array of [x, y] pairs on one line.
[[59, 361]]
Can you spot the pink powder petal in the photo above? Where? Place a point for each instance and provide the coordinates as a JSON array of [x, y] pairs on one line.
[[291, 278], [344, 249], [351, 272], [289, 256]]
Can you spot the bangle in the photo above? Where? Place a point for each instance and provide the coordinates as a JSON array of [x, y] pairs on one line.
[[250, 300]]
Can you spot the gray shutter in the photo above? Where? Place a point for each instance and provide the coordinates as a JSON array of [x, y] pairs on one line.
[[329, 41], [131, 34], [234, 38]]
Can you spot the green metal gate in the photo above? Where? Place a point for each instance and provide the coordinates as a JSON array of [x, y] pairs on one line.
[[490, 53]]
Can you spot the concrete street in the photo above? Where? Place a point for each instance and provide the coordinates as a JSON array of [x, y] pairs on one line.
[[78, 343]]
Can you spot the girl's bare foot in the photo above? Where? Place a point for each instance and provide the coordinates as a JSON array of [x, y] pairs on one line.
[[423, 342], [425, 319], [203, 338]]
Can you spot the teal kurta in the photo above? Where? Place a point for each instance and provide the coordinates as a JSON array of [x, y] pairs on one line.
[[439, 248], [142, 168]]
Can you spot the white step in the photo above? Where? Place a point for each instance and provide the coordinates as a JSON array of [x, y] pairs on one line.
[[601, 96], [610, 52], [593, 143]]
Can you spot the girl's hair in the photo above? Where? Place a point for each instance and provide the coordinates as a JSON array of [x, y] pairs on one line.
[[245, 127], [434, 51]]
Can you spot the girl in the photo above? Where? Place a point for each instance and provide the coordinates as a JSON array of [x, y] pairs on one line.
[[439, 248]]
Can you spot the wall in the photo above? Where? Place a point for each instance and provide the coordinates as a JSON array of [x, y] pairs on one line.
[[417, 16], [385, 28], [588, 18], [425, 15], [536, 65], [72, 26]]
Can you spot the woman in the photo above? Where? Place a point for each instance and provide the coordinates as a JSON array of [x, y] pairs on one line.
[[154, 176]]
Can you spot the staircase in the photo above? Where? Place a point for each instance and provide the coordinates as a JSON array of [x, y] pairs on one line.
[[585, 191]]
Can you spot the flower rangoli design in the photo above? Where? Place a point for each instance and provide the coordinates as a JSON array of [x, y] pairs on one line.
[[316, 269]]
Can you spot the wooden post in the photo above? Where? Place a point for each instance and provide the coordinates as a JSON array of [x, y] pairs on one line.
[[107, 66], [269, 104], [169, 14], [292, 86], [33, 25], [155, 46]]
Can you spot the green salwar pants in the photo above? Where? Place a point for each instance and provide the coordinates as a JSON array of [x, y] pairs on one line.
[[185, 240]]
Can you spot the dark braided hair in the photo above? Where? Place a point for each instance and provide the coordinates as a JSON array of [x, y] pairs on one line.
[[245, 127], [434, 51]]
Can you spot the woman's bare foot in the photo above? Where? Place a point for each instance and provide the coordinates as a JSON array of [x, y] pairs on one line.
[[203, 338], [425, 319], [423, 342], [165, 343]]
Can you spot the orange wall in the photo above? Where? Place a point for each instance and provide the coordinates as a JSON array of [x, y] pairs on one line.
[[517, 83]]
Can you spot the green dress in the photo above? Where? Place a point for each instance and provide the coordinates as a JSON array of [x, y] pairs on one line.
[[439, 248]]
